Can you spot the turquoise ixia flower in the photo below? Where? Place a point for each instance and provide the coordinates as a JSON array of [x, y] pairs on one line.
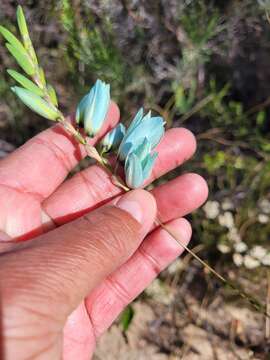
[[113, 138], [136, 148], [141, 127], [92, 109], [139, 164]]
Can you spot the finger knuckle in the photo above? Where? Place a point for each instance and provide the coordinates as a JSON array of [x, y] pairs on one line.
[[112, 233]]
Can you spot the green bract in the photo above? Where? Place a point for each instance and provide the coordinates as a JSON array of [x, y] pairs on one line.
[[36, 103]]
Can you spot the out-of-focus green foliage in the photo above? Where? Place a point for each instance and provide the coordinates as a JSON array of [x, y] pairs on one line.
[[126, 317], [91, 48]]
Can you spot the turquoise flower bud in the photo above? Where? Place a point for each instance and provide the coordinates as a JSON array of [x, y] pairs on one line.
[[92, 109], [113, 139], [142, 126], [139, 165]]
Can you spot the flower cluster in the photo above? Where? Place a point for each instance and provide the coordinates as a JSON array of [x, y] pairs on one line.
[[233, 243], [134, 146]]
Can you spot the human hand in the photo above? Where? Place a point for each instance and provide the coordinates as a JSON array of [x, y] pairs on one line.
[[90, 250]]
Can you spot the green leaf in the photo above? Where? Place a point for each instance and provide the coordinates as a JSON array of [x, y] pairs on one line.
[[32, 52], [22, 59], [21, 22], [126, 317], [36, 103], [261, 117], [26, 83], [52, 94], [25, 35], [12, 40], [42, 76]]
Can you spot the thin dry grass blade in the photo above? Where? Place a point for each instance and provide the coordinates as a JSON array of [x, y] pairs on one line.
[[254, 302]]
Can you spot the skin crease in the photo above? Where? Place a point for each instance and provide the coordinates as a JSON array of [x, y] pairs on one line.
[[61, 289]]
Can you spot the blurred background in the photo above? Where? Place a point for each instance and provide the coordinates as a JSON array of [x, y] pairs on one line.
[[203, 65]]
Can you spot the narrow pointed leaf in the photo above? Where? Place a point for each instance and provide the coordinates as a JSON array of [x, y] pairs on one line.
[[26, 83], [42, 76], [12, 40], [32, 53], [52, 94], [21, 22], [25, 34], [22, 59], [36, 103]]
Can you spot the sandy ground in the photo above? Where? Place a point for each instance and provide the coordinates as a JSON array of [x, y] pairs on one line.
[[220, 333]]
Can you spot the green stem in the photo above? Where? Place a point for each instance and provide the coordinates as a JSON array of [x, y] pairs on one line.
[[201, 104]]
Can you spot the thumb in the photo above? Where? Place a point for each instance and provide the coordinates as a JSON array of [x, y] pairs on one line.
[[56, 271]]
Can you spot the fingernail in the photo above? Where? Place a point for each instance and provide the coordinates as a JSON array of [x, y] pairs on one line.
[[131, 203]]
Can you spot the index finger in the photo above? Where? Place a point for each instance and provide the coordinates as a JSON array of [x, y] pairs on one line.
[[42, 163]]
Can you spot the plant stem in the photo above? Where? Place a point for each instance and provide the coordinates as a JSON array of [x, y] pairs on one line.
[[255, 303], [201, 104], [92, 152]]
